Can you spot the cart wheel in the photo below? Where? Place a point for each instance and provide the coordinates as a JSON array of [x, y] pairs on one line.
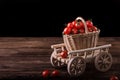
[[56, 63], [76, 66], [103, 62]]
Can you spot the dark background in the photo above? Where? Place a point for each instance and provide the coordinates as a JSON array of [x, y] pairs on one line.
[[38, 18]]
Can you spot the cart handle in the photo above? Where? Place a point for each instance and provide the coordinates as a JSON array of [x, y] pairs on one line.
[[57, 45], [90, 49], [78, 19]]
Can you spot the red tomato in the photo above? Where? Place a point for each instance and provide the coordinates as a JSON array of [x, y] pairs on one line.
[[81, 25], [55, 73], [113, 77], [94, 28], [67, 30], [75, 30], [73, 23], [64, 54], [82, 30], [90, 29], [89, 23], [77, 26], [70, 25], [45, 73]]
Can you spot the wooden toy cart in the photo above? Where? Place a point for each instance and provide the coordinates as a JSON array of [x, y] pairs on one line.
[[81, 50]]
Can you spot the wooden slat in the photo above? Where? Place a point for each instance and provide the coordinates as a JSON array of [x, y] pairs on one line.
[[27, 57]]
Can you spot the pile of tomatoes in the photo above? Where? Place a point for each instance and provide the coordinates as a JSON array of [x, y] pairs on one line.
[[75, 27]]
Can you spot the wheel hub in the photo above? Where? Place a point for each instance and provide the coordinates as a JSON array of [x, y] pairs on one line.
[[104, 61]]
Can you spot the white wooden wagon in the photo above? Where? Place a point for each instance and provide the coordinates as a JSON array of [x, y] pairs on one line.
[[81, 50]]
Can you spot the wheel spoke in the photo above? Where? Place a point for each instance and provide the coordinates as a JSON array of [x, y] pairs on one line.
[[82, 62], [79, 61], [78, 68], [100, 61], [104, 66], [74, 62], [100, 65], [72, 65], [79, 71], [55, 61], [107, 62], [105, 55], [101, 57], [75, 72], [72, 69], [108, 58], [78, 65], [107, 65]]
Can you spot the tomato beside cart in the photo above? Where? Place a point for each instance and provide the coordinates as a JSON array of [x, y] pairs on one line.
[[81, 48]]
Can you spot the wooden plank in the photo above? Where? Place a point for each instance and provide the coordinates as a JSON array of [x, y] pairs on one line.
[[27, 57]]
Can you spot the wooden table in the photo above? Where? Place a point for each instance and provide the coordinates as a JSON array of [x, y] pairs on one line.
[[27, 57]]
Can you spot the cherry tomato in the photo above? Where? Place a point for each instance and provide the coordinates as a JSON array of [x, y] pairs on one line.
[[67, 30], [82, 30], [55, 73], [113, 77], [81, 25], [89, 23], [75, 30], [70, 25], [64, 54], [77, 26], [73, 23], [90, 29], [94, 28], [45, 73]]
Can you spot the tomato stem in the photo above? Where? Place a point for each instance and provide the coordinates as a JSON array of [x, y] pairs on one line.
[[90, 19]]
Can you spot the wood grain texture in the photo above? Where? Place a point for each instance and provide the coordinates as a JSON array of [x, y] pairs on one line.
[[27, 57]]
